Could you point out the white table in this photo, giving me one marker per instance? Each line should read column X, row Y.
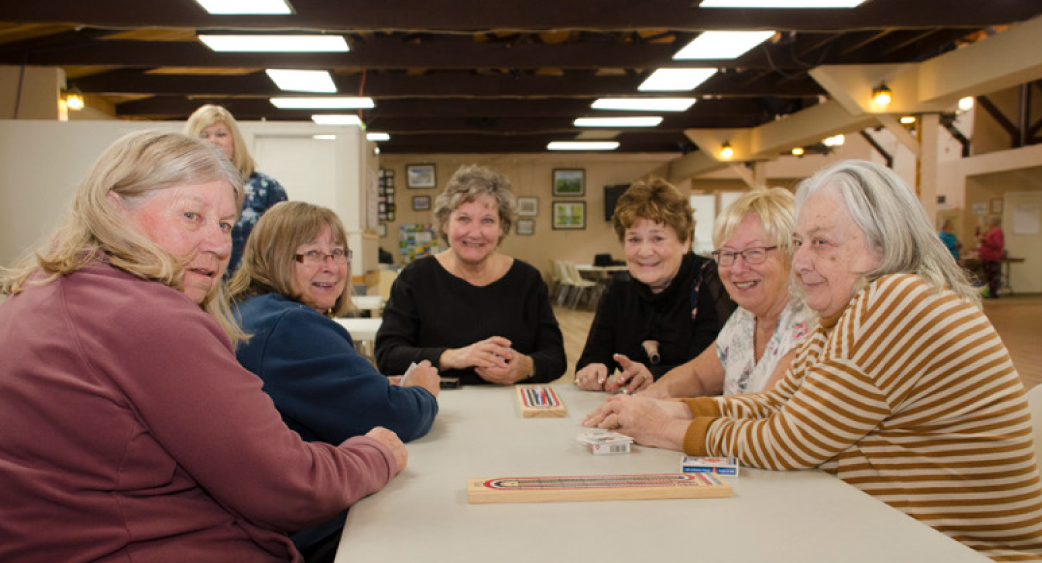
column 368, row 302
column 361, row 329
column 774, row 516
column 363, row 332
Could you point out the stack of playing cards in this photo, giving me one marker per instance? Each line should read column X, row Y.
column 718, row 465
column 601, row 443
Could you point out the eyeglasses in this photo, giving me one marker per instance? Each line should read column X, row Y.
column 754, row 255
column 317, row 257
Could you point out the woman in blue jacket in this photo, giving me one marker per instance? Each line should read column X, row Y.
column 292, row 282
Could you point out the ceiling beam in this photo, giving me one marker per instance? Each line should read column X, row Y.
column 467, row 15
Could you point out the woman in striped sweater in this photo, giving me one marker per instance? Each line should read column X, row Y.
column 904, row 390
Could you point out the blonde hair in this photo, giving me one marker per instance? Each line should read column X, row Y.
column 894, row 223
column 468, row 184
column 209, row 115
column 269, row 259
column 775, row 208
column 133, row 168
column 655, row 200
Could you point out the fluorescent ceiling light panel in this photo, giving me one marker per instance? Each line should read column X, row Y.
column 328, row 102
column 302, row 80
column 722, row 44
column 336, row 119
column 648, row 121
column 324, row 137
column 377, row 137
column 265, row 7
column 582, row 146
column 780, row 4
column 644, row 104
column 676, row 79
column 255, row 43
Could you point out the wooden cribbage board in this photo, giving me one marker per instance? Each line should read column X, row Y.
column 597, row 487
column 537, row 401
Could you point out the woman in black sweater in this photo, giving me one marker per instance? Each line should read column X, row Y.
column 671, row 309
column 472, row 311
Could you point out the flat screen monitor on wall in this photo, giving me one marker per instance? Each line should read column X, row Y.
column 611, row 197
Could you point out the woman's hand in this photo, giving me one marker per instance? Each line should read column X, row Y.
column 518, row 367
column 390, row 439
column 493, row 352
column 423, row 375
column 592, row 377
column 649, row 422
column 634, row 376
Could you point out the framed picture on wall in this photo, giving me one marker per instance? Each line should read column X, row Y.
column 526, row 226
column 527, row 206
column 420, row 176
column 381, row 230
column 996, row 206
column 569, row 182
column 569, row 215
column 421, row 202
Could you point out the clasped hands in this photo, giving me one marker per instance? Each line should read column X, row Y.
column 493, row 360
column 633, row 377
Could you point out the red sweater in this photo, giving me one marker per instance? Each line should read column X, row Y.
column 992, row 245
column 129, row 432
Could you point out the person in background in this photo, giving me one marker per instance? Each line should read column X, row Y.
column 949, row 239
column 904, row 390
column 672, row 307
column 140, row 437
column 753, row 350
column 991, row 250
column 473, row 312
column 216, row 125
column 292, row 282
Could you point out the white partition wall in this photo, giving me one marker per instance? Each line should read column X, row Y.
column 42, row 162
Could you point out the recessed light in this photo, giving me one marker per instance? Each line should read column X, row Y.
column 262, row 7
column 648, row 121
column 302, row 80
column 644, row 104
column 722, row 44
column 327, row 102
column 377, row 137
column 582, row 145
column 259, row 43
column 336, row 119
column 676, row 79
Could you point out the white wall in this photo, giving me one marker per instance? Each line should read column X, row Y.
column 42, row 162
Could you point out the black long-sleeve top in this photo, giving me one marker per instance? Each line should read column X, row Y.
column 430, row 311
column 629, row 313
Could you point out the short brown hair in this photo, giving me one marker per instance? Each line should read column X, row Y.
column 269, row 258
column 656, row 200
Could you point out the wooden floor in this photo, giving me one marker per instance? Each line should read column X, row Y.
column 1017, row 318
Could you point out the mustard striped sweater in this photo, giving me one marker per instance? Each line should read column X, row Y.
column 910, row 396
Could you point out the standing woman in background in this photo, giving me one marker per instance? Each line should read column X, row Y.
column 216, row 125
column 991, row 251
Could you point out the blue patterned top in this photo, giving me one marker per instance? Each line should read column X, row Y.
column 262, row 192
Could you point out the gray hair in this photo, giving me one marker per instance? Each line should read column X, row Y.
column 468, row 184
column 894, row 223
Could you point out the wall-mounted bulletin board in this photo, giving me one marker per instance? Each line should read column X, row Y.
column 416, row 240
column 385, row 195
